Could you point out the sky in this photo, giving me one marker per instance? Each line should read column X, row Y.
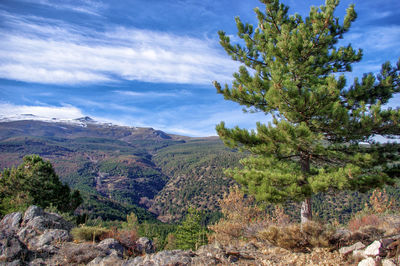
column 149, row 63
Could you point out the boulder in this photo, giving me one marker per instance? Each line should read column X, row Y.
column 11, row 221
column 166, row 257
column 388, row 262
column 11, row 248
column 32, row 212
column 368, row 262
column 110, row 244
column 375, row 249
column 350, row 249
column 110, row 260
column 53, row 236
column 48, row 221
column 144, row 245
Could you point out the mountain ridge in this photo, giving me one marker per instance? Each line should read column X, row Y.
column 118, row 163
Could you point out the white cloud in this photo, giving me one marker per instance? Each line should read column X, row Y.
column 152, row 94
column 375, row 39
column 89, row 7
column 8, row 110
column 58, row 53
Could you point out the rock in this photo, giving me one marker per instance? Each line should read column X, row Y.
column 375, row 249
column 32, row 212
column 35, row 218
column 350, row 249
column 11, row 248
column 111, row 260
column 367, row 262
column 166, row 257
column 144, row 245
column 50, row 236
column 13, row 263
column 11, row 221
column 25, row 234
column 84, row 253
column 359, row 254
column 112, row 244
column 48, row 221
column 38, row 262
column 388, row 262
column 386, row 242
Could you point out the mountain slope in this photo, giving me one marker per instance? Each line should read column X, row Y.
column 124, row 165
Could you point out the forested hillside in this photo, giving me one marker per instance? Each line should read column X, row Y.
column 120, row 169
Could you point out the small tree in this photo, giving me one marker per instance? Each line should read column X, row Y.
column 312, row 143
column 35, row 182
column 191, row 234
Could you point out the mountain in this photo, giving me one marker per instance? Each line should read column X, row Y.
column 122, row 169
column 119, row 168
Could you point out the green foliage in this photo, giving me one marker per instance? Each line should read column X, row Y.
column 312, row 144
column 131, row 221
column 191, row 234
column 158, row 232
column 88, row 233
column 35, row 182
column 97, row 206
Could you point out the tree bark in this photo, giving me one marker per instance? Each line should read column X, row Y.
column 306, row 210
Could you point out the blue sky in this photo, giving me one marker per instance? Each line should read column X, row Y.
column 148, row 63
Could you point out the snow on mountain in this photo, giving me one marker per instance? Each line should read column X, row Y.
column 82, row 121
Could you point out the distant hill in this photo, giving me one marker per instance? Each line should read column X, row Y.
column 121, row 169
column 118, row 168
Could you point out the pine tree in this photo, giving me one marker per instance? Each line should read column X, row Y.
column 293, row 71
column 191, row 234
column 35, row 182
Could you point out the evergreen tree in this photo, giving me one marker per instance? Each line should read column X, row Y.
column 35, row 182
column 293, row 71
column 191, row 234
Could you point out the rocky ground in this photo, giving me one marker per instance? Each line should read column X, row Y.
column 40, row 238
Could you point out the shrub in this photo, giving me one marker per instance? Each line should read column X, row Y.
column 241, row 218
column 360, row 221
column 380, row 202
column 88, row 233
column 126, row 237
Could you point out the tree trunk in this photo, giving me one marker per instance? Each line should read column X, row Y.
column 306, row 211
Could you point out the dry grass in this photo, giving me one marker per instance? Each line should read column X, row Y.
column 298, row 238
column 318, row 256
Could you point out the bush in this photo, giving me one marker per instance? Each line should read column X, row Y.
column 241, row 218
column 360, row 221
column 126, row 237
column 88, row 233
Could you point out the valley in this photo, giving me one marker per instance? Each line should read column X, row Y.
column 119, row 169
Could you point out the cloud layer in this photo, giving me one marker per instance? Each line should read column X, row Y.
column 54, row 52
